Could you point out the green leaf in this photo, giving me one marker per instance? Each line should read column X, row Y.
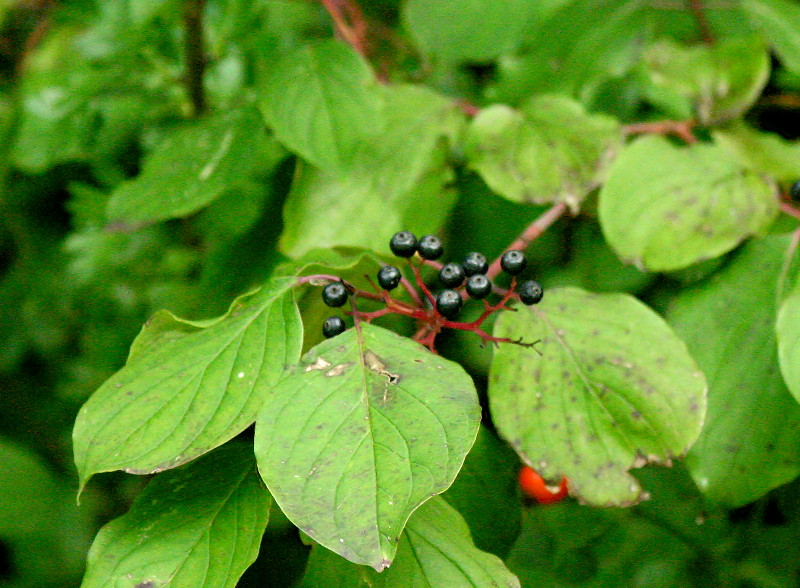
column 485, row 493
column 327, row 260
column 765, row 153
column 666, row 207
column 322, row 101
column 24, row 476
column 779, row 22
column 751, row 440
column 613, row 389
column 398, row 180
column 200, row 525
column 194, row 166
column 435, row 550
column 365, row 429
column 189, row 387
column 574, row 48
column 788, row 331
column 722, row 80
column 474, row 31
column 38, row 516
column 551, row 151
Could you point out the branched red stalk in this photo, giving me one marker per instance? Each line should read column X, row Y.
column 682, row 129
column 421, row 283
column 412, row 291
column 430, row 320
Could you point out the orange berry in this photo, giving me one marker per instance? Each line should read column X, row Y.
column 534, row 486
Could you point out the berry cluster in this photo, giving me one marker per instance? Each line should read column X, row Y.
column 460, row 280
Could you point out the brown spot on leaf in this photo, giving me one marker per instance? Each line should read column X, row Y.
column 318, row 364
column 337, row 370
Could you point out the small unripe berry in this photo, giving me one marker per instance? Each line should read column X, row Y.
column 451, row 275
column 448, row 303
column 475, row 263
column 333, row 326
column 479, row 286
column 334, row 294
column 530, row 292
column 430, row 247
column 403, row 244
column 513, row 262
column 389, row 277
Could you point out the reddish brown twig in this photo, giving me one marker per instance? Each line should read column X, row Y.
column 678, row 128
column 349, row 22
column 533, row 230
column 789, row 209
column 699, row 12
column 195, row 54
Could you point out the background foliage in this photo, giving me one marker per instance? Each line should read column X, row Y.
column 166, row 158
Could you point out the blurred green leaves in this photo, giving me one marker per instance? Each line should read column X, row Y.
column 193, row 166
column 322, row 101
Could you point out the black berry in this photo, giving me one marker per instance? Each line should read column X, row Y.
column 479, row 286
column 513, row 262
column 448, row 303
column 475, row 263
column 451, row 275
column 403, row 244
column 389, row 277
column 333, row 326
column 530, row 292
column 430, row 247
column 794, row 191
column 334, row 294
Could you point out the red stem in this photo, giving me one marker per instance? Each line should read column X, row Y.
column 533, row 230
column 699, row 12
column 678, row 128
column 422, row 284
column 349, row 22
column 789, row 209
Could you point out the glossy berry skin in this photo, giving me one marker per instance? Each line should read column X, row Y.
column 513, row 262
column 430, row 247
column 533, row 486
column 530, row 292
column 452, row 275
column 333, row 326
column 389, row 277
column 404, row 244
column 334, row 294
column 475, row 263
column 479, row 286
column 794, row 191
column 448, row 303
